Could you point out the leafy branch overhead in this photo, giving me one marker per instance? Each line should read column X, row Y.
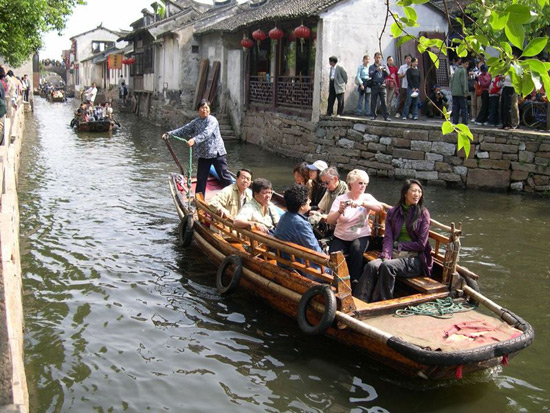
column 23, row 23
column 511, row 33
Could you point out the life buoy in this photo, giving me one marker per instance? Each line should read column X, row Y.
column 328, row 314
column 185, row 231
column 237, row 264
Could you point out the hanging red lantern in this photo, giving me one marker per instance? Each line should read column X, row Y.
column 302, row 33
column 246, row 43
column 259, row 36
column 276, row 34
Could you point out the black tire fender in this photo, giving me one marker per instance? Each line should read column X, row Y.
column 185, row 231
column 237, row 264
column 328, row 315
column 474, row 286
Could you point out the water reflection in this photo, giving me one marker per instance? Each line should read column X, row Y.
column 119, row 319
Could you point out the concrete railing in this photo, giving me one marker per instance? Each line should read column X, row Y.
column 13, row 384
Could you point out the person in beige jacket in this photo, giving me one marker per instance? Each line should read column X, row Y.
column 231, row 198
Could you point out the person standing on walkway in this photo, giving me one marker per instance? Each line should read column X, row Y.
column 402, row 75
column 364, row 92
column 338, row 79
column 378, row 73
column 459, row 90
column 484, row 81
column 392, row 84
column 413, row 90
column 209, row 147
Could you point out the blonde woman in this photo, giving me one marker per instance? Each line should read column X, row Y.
column 349, row 212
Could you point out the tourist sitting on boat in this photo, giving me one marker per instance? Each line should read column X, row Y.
column 406, row 251
column 108, row 110
column 294, row 226
column 231, row 199
column 301, row 173
column 81, row 114
column 330, row 179
column 259, row 213
column 316, row 188
column 350, row 213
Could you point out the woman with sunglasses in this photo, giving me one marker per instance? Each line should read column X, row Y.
column 350, row 212
column 406, row 251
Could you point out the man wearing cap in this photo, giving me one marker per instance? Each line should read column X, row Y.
column 338, row 79
column 315, row 186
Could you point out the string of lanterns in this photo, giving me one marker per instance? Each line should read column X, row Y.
column 301, row 32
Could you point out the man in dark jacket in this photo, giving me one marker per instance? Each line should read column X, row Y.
column 378, row 73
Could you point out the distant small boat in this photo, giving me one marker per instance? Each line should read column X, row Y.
column 104, row 125
column 57, row 96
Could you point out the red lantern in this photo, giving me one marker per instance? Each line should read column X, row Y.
column 276, row 34
column 246, row 43
column 302, row 33
column 259, row 36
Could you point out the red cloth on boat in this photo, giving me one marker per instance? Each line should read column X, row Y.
column 480, row 331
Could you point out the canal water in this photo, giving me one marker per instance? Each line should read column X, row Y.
column 118, row 318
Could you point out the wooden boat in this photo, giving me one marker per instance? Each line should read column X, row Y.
column 105, row 125
column 57, row 95
column 417, row 346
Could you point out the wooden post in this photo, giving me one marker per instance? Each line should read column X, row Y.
column 342, row 282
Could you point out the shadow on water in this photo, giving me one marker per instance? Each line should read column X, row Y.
column 120, row 319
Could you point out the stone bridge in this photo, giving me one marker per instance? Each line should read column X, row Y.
column 60, row 70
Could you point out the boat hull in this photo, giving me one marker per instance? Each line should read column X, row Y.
column 95, row 126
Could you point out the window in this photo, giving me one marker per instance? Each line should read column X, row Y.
column 100, row 46
column 148, row 61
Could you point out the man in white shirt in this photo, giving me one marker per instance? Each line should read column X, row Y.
column 402, row 73
column 91, row 93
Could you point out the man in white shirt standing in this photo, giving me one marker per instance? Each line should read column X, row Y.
column 402, row 73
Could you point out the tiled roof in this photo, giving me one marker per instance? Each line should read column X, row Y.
column 271, row 10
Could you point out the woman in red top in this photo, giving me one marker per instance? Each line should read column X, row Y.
column 392, row 85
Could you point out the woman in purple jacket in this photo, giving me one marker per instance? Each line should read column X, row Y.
column 406, row 251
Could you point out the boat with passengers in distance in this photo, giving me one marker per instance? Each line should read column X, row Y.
column 433, row 348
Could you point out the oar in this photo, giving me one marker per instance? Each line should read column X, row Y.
column 174, row 156
column 116, row 121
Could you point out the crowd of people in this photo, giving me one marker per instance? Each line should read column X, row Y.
column 13, row 89
column 317, row 196
column 390, row 91
column 88, row 112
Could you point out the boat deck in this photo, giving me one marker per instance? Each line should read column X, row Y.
column 464, row 331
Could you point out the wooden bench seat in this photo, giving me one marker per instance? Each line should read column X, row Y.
column 423, row 284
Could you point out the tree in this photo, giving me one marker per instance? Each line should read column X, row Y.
column 23, row 22
column 491, row 27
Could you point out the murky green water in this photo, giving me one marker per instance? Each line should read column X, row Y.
column 119, row 319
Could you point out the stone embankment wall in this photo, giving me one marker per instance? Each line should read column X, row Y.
column 13, row 385
column 514, row 160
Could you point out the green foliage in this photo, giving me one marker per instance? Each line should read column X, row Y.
column 496, row 24
column 23, row 22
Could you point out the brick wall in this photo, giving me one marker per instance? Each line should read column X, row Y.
column 515, row 160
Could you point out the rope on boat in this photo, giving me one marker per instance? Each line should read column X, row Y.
column 444, row 308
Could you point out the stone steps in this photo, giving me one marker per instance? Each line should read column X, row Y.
column 225, row 128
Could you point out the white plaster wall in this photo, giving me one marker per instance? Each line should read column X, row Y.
column 351, row 30
column 84, row 50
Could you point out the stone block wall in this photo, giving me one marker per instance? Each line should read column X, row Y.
column 515, row 160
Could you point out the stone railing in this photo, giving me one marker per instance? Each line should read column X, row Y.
column 516, row 160
column 13, row 384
